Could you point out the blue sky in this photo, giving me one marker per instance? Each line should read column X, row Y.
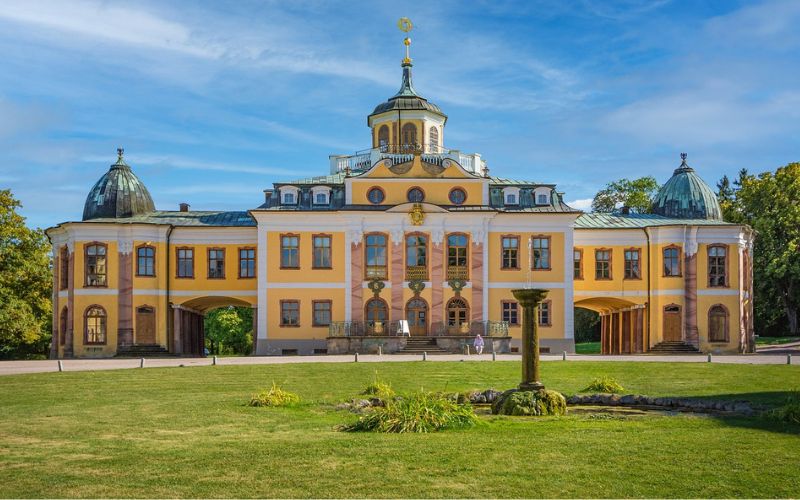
column 215, row 101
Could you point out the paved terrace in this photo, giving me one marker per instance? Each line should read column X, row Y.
column 71, row 365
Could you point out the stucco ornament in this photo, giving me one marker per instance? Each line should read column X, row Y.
column 457, row 285
column 416, row 286
column 376, row 285
column 417, row 215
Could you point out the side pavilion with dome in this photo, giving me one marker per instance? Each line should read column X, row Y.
column 406, row 246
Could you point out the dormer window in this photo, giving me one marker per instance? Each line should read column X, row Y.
column 541, row 196
column 321, row 195
column 320, row 199
column 288, row 199
column 541, row 199
column 289, row 195
column 511, row 196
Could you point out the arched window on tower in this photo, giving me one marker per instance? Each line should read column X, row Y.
column 408, row 137
column 383, row 138
column 433, row 140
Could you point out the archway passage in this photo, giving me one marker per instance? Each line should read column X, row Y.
column 188, row 328
column 622, row 324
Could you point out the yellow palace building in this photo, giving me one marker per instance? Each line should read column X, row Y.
column 405, row 246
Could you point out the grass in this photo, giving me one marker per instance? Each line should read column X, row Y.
column 605, row 385
column 776, row 340
column 587, row 348
column 417, row 412
column 187, row 432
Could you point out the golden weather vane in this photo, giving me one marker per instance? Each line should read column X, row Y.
column 405, row 26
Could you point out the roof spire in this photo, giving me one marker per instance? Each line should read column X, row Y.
column 405, row 26
column 120, row 152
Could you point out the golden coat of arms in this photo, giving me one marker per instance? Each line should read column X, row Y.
column 417, row 215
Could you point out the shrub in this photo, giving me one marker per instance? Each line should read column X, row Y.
column 379, row 389
column 604, row 384
column 418, row 412
column 531, row 403
column 275, row 396
column 789, row 412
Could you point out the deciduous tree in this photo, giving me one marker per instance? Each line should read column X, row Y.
column 636, row 194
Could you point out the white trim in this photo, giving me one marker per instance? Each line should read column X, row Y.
column 63, row 294
column 292, row 285
column 412, row 180
column 569, row 289
column 96, row 291
column 525, row 284
column 626, row 293
column 348, row 276
column 211, row 293
column 721, row 292
column 261, row 263
column 484, row 237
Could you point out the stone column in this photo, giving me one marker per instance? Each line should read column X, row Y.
column 54, row 301
column 177, row 327
column 476, row 277
column 437, row 277
column 125, row 295
column 357, row 279
column 692, row 335
column 396, row 260
column 529, row 299
column 69, row 337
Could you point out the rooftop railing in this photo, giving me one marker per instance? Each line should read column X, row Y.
column 362, row 160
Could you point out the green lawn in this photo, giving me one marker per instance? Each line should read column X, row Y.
column 185, row 432
column 776, row 340
column 587, row 348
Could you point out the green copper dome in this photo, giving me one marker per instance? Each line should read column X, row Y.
column 119, row 193
column 687, row 196
column 407, row 98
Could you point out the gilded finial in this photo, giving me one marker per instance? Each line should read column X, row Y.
column 120, row 152
column 683, row 157
column 405, row 26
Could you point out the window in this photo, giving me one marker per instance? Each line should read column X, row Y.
column 415, row 195
column 289, row 199
column 577, row 264
column 216, row 263
column 409, row 137
column 457, row 312
column 247, row 262
column 433, row 139
column 545, row 313
column 146, row 261
column 457, row 196
column 632, row 265
column 62, row 326
column 321, row 199
column 672, row 264
column 457, row 256
column 375, row 256
column 416, row 257
column 383, row 138
column 290, row 251
column 322, row 312
column 96, row 265
column 541, row 199
column 376, row 195
column 322, row 251
column 185, row 263
column 376, row 310
column 602, row 264
column 95, row 325
column 511, row 199
column 63, row 274
column 290, row 313
column 541, row 252
column 717, row 266
column 718, row 324
column 510, row 312
column 510, row 252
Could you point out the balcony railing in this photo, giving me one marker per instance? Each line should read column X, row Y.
column 373, row 272
column 436, row 329
column 417, row 273
column 457, row 273
column 363, row 160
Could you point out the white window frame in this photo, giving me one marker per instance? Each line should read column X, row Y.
column 541, row 191
column 290, row 190
column 508, row 192
column 325, row 190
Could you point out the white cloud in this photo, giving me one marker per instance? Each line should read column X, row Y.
column 584, row 204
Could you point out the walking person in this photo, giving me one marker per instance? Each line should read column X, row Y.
column 478, row 343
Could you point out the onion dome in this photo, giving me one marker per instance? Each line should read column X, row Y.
column 407, row 98
column 687, row 196
column 119, row 193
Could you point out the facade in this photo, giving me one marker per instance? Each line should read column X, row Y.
column 402, row 243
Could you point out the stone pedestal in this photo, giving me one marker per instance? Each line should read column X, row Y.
column 529, row 299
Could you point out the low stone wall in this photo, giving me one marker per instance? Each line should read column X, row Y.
column 455, row 344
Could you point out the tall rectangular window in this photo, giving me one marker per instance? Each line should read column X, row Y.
column 290, row 252
column 322, row 312
column 96, row 272
column 632, row 264
column 216, row 263
column 146, row 261
column 544, row 313
column 322, row 251
column 510, row 252
column 672, row 263
column 290, row 313
column 185, row 266
column 541, row 252
column 247, row 262
column 577, row 264
column 63, row 272
column 375, row 253
column 510, row 312
column 602, row 264
column 717, row 266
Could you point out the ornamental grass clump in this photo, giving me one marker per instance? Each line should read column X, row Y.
column 789, row 412
column 531, row 403
column 275, row 396
column 605, row 385
column 417, row 412
column 379, row 389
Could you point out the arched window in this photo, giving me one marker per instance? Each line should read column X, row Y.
column 62, row 326
column 457, row 245
column 95, row 325
column 383, row 138
column 409, row 137
column 457, row 312
column 376, row 310
column 718, row 324
column 96, row 273
column 433, row 140
column 416, row 257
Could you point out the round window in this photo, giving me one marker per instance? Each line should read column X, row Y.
column 375, row 195
column 457, row 196
column 415, row 195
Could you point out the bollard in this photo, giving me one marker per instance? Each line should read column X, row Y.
column 709, row 357
column 466, row 350
column 60, row 366
column 564, row 356
column 356, row 358
column 141, row 363
column 788, row 359
column 380, row 351
column 214, row 361
column 424, row 356
column 494, row 356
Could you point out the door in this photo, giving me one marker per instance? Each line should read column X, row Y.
column 672, row 324
column 145, row 325
column 417, row 316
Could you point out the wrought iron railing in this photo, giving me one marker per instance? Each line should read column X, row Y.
column 417, row 273
column 363, row 329
column 364, row 159
column 457, row 273
column 436, row 329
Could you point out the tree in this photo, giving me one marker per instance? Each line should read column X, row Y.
column 25, row 285
column 770, row 204
column 229, row 330
column 636, row 194
column 726, row 195
column 587, row 325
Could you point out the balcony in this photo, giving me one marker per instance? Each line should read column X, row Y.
column 419, row 273
column 457, row 273
column 361, row 161
column 375, row 272
column 437, row 329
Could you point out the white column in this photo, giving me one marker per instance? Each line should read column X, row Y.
column 485, row 239
column 348, row 276
column 262, row 282
column 569, row 285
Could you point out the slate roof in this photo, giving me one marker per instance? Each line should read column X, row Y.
column 636, row 221
column 407, row 98
column 686, row 195
column 118, row 193
column 188, row 219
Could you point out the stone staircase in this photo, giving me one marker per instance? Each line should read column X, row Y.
column 142, row 351
column 673, row 347
column 418, row 345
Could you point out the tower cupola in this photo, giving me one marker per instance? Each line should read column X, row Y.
column 686, row 196
column 118, row 194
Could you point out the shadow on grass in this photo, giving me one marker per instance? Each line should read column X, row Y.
column 761, row 402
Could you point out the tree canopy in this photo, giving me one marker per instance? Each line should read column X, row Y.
column 25, row 285
column 229, row 330
column 636, row 194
